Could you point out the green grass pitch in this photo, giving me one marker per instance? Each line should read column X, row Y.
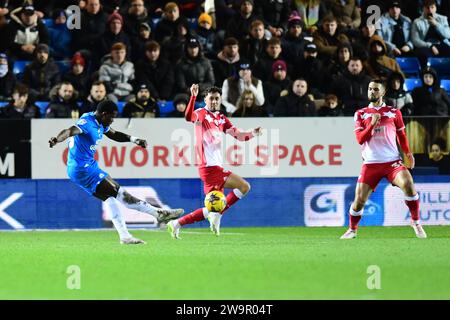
column 243, row 263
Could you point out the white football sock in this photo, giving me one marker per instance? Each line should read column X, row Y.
column 205, row 213
column 140, row 205
column 117, row 218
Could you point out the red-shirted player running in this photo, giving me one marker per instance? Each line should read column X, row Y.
column 377, row 128
column 209, row 126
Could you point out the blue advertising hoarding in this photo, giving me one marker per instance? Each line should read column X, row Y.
column 59, row 204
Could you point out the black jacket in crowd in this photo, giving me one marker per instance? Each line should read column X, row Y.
column 29, row 112
column 41, row 78
column 158, row 75
column 294, row 106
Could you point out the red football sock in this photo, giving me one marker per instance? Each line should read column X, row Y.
column 354, row 220
column 192, row 217
column 231, row 199
column 413, row 208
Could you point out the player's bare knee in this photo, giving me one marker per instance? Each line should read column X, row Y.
column 245, row 187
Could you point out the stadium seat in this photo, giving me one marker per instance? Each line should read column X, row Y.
column 410, row 66
column 441, row 65
column 193, row 23
column 445, row 84
column 49, row 23
column 155, row 21
column 19, row 67
column 42, row 105
column 120, row 106
column 3, row 104
column 63, row 65
column 412, row 83
column 165, row 108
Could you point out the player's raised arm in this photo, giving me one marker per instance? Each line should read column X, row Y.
column 123, row 137
column 189, row 113
column 63, row 135
column 230, row 129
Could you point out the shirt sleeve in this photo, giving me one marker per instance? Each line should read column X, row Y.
column 82, row 125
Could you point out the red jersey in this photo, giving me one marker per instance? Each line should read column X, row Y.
column 378, row 143
column 209, row 127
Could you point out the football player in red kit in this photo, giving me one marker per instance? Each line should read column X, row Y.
column 377, row 128
column 209, row 125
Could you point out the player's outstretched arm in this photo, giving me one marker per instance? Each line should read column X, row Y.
column 63, row 135
column 244, row 136
column 123, row 137
column 189, row 113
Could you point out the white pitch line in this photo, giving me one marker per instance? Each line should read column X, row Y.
column 104, row 229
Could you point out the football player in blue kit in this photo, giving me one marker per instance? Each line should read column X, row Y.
column 84, row 171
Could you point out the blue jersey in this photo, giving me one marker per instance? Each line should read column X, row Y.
column 83, row 146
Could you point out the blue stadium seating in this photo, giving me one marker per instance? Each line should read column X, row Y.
column 19, row 67
column 120, row 106
column 410, row 66
column 412, row 83
column 445, row 84
column 3, row 104
column 49, row 23
column 165, row 107
column 441, row 65
column 155, row 21
column 42, row 105
column 63, row 65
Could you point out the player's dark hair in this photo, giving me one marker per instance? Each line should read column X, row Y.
column 213, row 89
column 379, row 81
column 106, row 106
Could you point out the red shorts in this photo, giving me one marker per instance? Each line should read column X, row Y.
column 371, row 174
column 213, row 178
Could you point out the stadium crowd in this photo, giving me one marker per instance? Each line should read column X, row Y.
column 281, row 58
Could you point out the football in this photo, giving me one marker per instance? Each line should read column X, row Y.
column 215, row 201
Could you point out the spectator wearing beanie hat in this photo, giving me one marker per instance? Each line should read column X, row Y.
column 206, row 35
column 293, row 42
column 60, row 36
column 114, row 33
column 78, row 76
column 180, row 102
column 143, row 105
column 277, row 86
column 233, row 87
column 138, row 42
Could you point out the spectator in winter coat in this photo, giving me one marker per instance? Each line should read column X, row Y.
column 117, row 73
column 206, row 35
column 396, row 31
column 379, row 65
column 193, row 68
column 93, row 25
column 396, row 96
column 347, row 12
column 97, row 94
column 227, row 62
column 351, row 87
column 331, row 107
column 113, row 34
column 78, row 76
column 239, row 25
column 168, row 25
column 278, row 85
column 25, row 32
column 20, row 106
column 142, row 106
column 7, row 78
column 275, row 14
column 233, row 87
column 430, row 99
column 42, row 74
column 156, row 72
column 60, row 36
column 63, row 103
column 254, row 45
column 293, row 42
column 297, row 103
column 328, row 37
column 263, row 68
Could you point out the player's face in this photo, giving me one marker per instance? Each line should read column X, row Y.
column 106, row 119
column 213, row 101
column 375, row 91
